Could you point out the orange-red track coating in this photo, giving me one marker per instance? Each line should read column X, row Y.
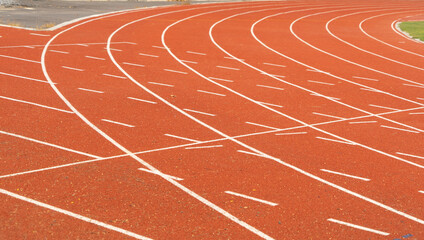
column 244, row 120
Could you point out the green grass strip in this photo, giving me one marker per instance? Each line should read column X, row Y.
column 414, row 29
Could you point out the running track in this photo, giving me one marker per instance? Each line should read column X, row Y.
column 273, row 120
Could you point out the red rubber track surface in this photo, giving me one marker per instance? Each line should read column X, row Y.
column 250, row 120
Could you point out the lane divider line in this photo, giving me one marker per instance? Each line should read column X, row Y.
column 230, row 68
column 203, row 147
column 346, row 175
column 18, row 58
column 358, row 227
column 364, row 78
column 27, row 78
column 410, row 155
column 97, row 58
column 71, row 68
column 148, row 55
column 150, row 171
column 183, row 138
column 221, row 79
column 36, row 104
column 90, row 90
column 195, row 111
column 56, row 51
column 261, row 125
column 377, row 106
column 326, row 115
column 197, row 53
column 360, row 122
column 275, row 65
column 400, row 129
column 133, row 64
column 271, row 87
column 142, row 100
column 291, row 133
column 115, row 76
column 161, row 84
column 334, row 140
column 251, row 198
column 213, row 93
column 174, row 71
column 119, row 123
column 323, row 83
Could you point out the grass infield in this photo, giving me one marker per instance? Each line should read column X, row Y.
column 414, row 29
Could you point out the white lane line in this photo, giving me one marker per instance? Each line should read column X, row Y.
column 218, row 94
column 82, row 45
column 133, row 64
column 194, row 111
column 74, row 215
column 326, row 115
column 420, row 98
column 115, row 76
column 90, row 90
column 159, row 47
column 202, row 147
column 265, row 86
column 290, row 133
column 161, row 84
column 421, row 191
column 97, row 58
column 334, row 140
column 274, row 75
column 183, row 138
column 75, row 69
column 400, row 129
column 233, row 58
column 119, row 123
column 18, row 58
column 221, row 79
column 27, row 78
column 410, row 155
column 174, row 71
column 416, row 113
column 148, row 55
column 131, row 43
column 197, row 53
column 412, row 85
column 254, row 154
column 360, row 122
column 114, row 49
column 29, row 47
column 150, row 171
column 346, row 175
column 56, row 51
column 358, row 227
column 269, row 104
column 186, row 61
column 377, row 106
column 47, row 144
column 370, row 89
column 230, row 68
column 272, row 64
column 142, row 100
column 36, row 104
column 261, row 125
column 38, row 34
column 364, row 78
column 320, row 95
column 324, row 83
column 252, row 198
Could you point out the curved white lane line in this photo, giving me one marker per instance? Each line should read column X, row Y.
column 337, row 57
column 327, row 27
column 397, row 30
column 388, row 208
column 381, row 41
column 82, row 117
column 180, row 186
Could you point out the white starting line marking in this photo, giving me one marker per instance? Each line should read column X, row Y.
column 97, row 58
column 114, row 49
column 142, row 100
column 41, row 35
column 261, row 125
column 359, row 122
column 416, row 113
column 56, row 51
column 230, row 68
column 291, row 133
column 334, row 140
column 36, row 104
column 183, row 138
column 21, row 59
column 119, row 123
column 389, row 108
column 161, row 84
column 71, row 68
column 221, row 79
column 252, row 198
column 190, row 110
column 411, row 85
column 364, row 78
column 133, row 64
column 159, row 47
column 115, row 76
column 326, row 115
column 346, row 175
column 90, row 90
column 197, row 53
column 265, row 86
column 324, row 83
column 218, row 94
column 27, row 78
column 270, row 104
column 186, row 61
column 174, row 71
column 147, row 55
column 400, row 129
column 201, row 147
column 74, row 215
column 254, row 154
column 162, row 174
column 276, row 65
column 358, row 227
column 410, row 155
